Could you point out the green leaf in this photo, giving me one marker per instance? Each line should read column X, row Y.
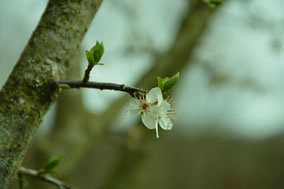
column 166, row 83
column 51, row 164
column 160, row 83
column 23, row 183
column 90, row 58
column 97, row 52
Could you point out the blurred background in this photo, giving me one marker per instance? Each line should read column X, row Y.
column 229, row 131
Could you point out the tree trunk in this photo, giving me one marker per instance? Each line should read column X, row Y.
column 27, row 94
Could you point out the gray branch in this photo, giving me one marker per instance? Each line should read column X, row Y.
column 99, row 85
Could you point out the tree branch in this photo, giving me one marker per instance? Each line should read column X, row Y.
column 98, row 85
column 46, row 178
column 87, row 73
column 27, row 94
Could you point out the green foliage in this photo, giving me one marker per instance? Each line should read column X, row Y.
column 90, row 57
column 166, row 83
column 215, row 3
column 95, row 54
column 23, row 183
column 51, row 164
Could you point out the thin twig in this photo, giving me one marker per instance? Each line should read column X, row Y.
column 97, row 85
column 87, row 73
column 46, row 178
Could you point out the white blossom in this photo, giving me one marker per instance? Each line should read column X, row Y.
column 154, row 110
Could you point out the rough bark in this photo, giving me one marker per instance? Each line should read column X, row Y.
column 27, row 94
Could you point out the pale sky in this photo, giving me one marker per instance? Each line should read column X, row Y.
column 231, row 48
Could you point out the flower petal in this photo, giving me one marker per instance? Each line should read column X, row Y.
column 133, row 107
column 165, row 107
column 165, row 123
column 149, row 121
column 155, row 111
column 154, row 95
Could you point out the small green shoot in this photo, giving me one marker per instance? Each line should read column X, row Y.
column 166, row 83
column 95, row 54
column 51, row 165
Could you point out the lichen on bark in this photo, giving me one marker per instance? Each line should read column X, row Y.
column 27, row 94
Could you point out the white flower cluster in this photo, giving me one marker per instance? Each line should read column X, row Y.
column 154, row 110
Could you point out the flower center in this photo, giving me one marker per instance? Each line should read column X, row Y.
column 144, row 105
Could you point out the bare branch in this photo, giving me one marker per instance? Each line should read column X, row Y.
column 98, row 85
column 87, row 73
column 46, row 178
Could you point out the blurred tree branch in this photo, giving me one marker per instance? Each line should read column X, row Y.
column 27, row 95
column 76, row 129
column 46, row 178
column 193, row 26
